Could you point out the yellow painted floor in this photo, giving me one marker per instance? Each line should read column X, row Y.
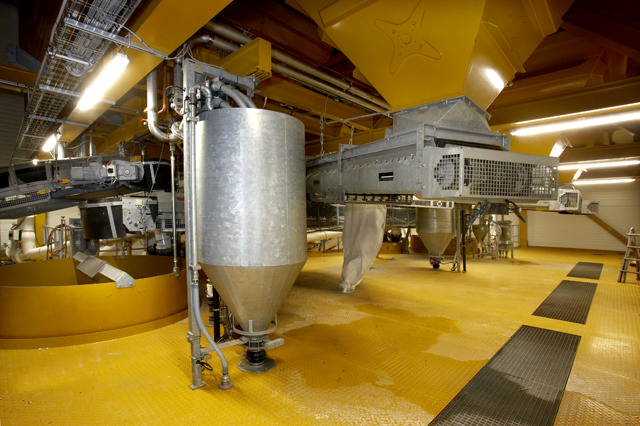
column 395, row 352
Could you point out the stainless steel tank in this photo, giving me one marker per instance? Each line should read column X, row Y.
column 505, row 232
column 435, row 227
column 481, row 230
column 251, row 208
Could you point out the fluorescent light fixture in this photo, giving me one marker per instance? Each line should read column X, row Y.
column 577, row 175
column 598, row 164
column 105, row 79
column 602, row 181
column 50, row 143
column 557, row 150
column 578, row 123
column 578, row 120
column 559, row 147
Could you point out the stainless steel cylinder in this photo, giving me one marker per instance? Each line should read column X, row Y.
column 436, row 229
column 505, row 231
column 251, row 208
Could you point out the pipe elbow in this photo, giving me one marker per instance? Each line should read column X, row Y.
column 235, row 95
column 152, row 114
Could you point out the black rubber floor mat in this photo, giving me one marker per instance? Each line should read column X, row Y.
column 570, row 301
column 522, row 384
column 586, row 270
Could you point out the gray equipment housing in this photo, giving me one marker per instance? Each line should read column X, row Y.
column 441, row 150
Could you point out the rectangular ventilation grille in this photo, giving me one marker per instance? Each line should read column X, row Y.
column 493, row 178
column 570, row 199
column 21, row 200
column 446, row 172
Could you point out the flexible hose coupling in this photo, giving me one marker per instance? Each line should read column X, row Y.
column 225, row 383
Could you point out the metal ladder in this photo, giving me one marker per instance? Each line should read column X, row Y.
column 631, row 255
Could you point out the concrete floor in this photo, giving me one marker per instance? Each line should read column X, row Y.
column 394, row 352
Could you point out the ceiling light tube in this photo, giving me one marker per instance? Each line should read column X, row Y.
column 602, row 181
column 598, row 164
column 577, row 175
column 50, row 143
column 105, row 79
column 578, row 123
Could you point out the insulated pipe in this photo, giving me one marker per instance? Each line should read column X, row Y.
column 234, row 94
column 279, row 55
column 291, row 73
column 152, row 106
column 303, row 78
column 213, row 41
column 27, row 250
column 323, row 235
column 247, row 100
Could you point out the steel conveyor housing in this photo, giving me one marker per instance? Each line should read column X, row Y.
column 30, row 189
column 443, row 150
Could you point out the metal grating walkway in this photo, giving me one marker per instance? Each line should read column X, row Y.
column 587, row 270
column 570, row 301
column 521, row 385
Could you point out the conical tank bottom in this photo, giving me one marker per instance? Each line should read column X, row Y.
column 254, row 293
column 436, row 242
column 480, row 231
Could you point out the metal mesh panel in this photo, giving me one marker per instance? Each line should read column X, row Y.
column 446, row 172
column 24, row 199
column 164, row 222
column 71, row 55
column 493, row 178
column 570, row 199
column 401, row 217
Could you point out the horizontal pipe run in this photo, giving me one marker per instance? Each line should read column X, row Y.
column 285, row 58
column 291, row 73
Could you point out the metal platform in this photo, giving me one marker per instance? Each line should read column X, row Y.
column 587, row 270
column 521, row 385
column 570, row 301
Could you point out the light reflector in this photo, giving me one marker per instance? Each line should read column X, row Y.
column 105, row 79
column 50, row 143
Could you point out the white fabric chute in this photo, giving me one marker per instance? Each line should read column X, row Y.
column 361, row 240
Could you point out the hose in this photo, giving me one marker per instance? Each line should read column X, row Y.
column 225, row 383
column 236, row 95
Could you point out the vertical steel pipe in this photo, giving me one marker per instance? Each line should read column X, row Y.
column 174, row 232
column 196, row 326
